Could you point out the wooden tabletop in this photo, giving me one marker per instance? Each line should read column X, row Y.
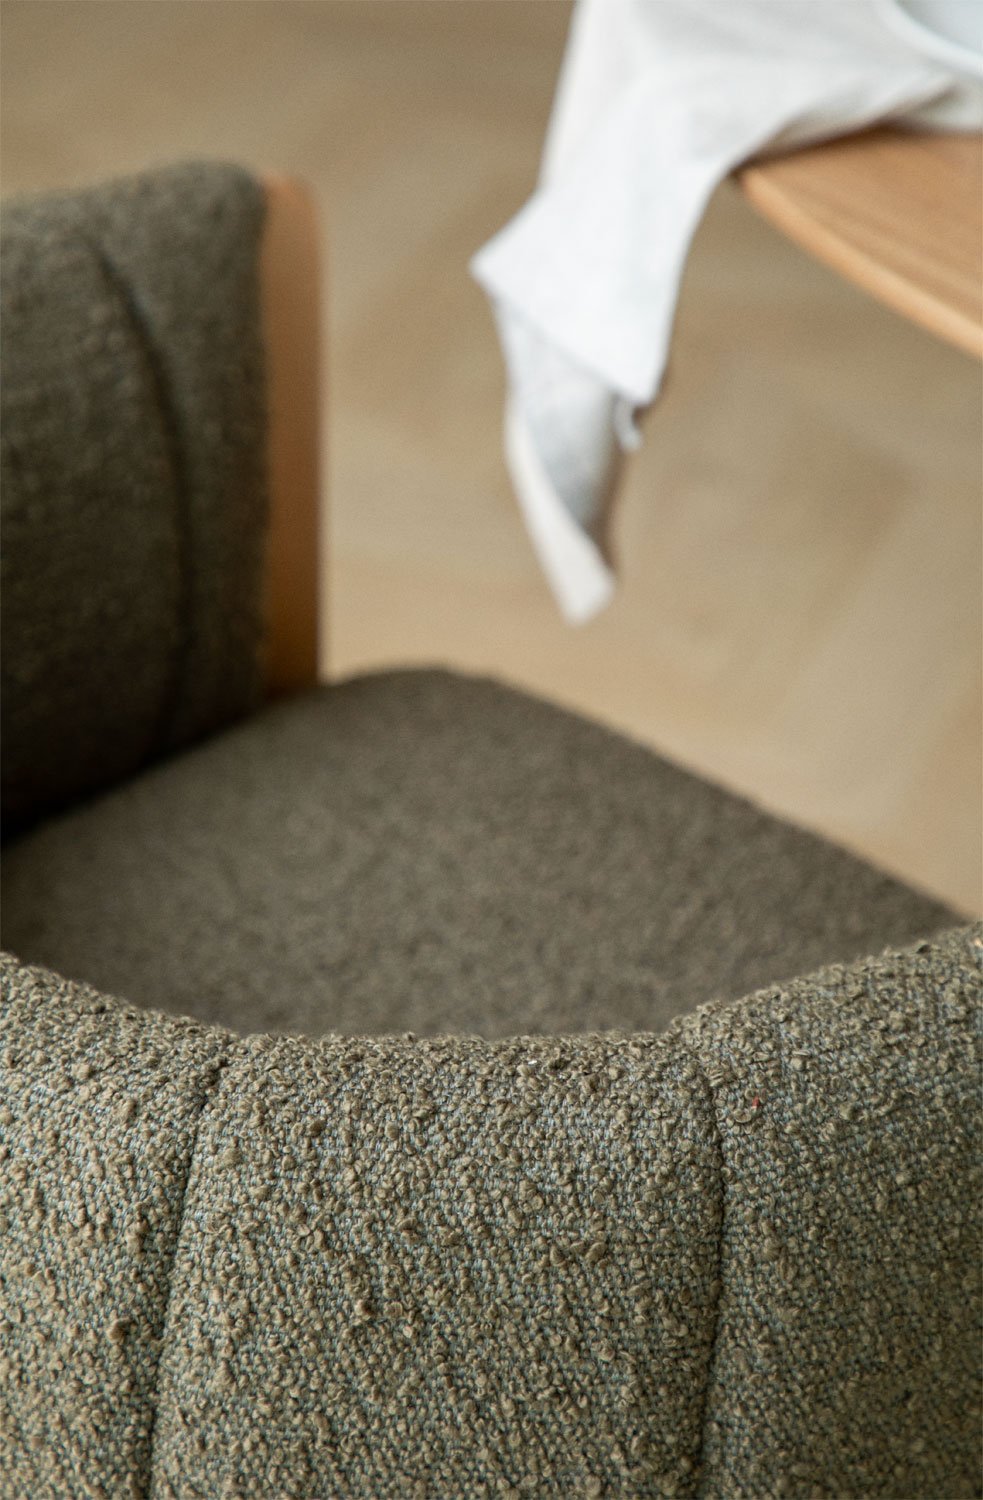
column 898, row 212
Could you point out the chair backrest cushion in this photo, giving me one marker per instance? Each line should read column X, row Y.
column 133, row 484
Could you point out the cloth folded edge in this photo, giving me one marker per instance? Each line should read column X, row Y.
column 581, row 580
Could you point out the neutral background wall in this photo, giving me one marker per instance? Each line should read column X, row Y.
column 799, row 614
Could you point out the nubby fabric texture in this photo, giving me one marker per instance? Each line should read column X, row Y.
column 739, row 1259
column 134, row 493
column 675, row 1243
column 430, row 852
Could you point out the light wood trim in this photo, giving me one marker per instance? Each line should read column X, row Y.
column 898, row 212
column 290, row 311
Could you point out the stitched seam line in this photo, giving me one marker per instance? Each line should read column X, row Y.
column 221, row 1063
column 163, row 733
column 722, row 1214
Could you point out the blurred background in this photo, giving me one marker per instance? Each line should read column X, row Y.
column 799, row 538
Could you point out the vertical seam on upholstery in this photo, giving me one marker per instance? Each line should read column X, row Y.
column 207, row 1094
column 181, row 511
column 721, row 1217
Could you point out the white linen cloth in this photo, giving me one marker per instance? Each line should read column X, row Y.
column 658, row 100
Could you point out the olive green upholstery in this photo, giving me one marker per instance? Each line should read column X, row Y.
column 412, row 1089
column 132, row 475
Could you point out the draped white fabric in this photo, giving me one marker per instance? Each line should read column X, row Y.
column 658, row 101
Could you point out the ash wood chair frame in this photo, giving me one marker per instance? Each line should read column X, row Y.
column 290, row 299
column 898, row 212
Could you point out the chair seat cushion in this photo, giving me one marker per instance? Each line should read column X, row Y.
column 419, row 851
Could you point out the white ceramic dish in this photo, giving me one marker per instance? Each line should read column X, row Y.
column 951, row 31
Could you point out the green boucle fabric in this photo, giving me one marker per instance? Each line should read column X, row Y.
column 847, row 1349
column 488, row 1266
column 428, row 852
column 133, row 490
column 735, row 1261
column 99, row 1105
column 730, row 1254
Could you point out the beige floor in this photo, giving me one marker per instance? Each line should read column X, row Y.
column 800, row 538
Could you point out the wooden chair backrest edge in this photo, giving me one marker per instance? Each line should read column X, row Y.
column 290, row 304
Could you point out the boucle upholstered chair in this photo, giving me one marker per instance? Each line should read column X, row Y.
column 379, row 1115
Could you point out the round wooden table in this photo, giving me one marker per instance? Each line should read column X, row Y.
column 899, row 212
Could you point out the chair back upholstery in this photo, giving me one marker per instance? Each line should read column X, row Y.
column 133, row 476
